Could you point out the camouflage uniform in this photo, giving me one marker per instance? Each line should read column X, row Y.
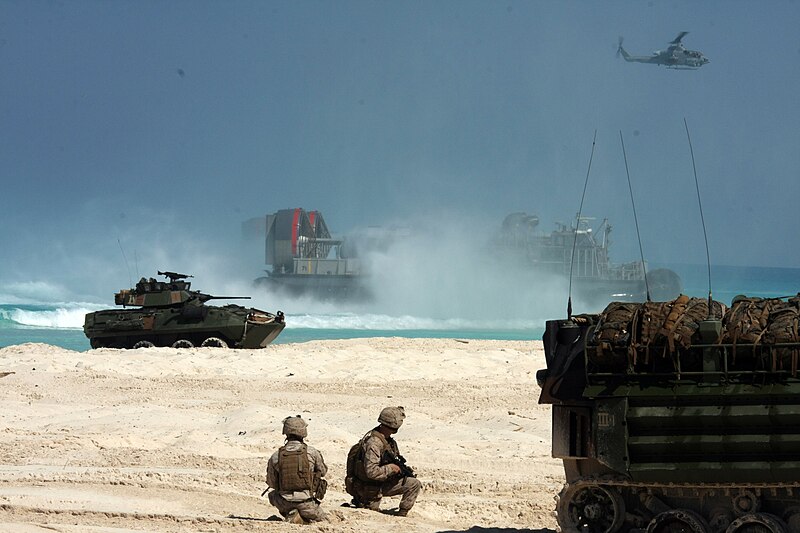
column 373, row 479
column 302, row 501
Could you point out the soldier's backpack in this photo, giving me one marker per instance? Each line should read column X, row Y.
column 686, row 330
column 353, row 456
column 649, row 323
column 355, row 466
column 354, row 471
column 675, row 324
column 784, row 327
column 746, row 322
column 612, row 334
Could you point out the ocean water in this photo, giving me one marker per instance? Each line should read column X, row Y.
column 60, row 323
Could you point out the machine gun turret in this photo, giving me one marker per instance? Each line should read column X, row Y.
column 174, row 276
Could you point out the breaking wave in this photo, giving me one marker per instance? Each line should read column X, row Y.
column 68, row 316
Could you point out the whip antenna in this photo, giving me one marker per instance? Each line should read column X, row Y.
column 130, row 281
column 635, row 218
column 702, row 219
column 577, row 225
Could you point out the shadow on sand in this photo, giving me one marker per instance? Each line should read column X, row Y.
column 273, row 518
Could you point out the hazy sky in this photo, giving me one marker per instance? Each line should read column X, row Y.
column 165, row 124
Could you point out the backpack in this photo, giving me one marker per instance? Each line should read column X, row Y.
column 746, row 322
column 354, row 471
column 687, row 324
column 355, row 458
column 673, row 325
column 355, row 454
column 612, row 334
column 649, row 322
column 784, row 322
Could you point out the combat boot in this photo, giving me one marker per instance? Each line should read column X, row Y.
column 294, row 517
column 402, row 512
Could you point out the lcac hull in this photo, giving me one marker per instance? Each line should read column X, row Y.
column 320, row 287
column 663, row 284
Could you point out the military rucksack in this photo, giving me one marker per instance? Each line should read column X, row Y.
column 686, row 331
column 783, row 327
column 355, row 454
column 675, row 323
column 746, row 323
column 355, row 471
column 612, row 334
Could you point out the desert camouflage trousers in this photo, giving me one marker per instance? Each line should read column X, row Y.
column 370, row 495
column 310, row 510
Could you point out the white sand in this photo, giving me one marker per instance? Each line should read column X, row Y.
column 177, row 440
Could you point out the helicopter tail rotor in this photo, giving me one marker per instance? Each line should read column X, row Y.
column 619, row 46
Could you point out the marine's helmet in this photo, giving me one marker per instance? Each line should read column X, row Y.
column 294, row 425
column 392, row 417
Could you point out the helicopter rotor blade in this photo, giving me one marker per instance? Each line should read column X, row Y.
column 680, row 36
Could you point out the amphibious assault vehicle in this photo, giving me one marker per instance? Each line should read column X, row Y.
column 677, row 416
column 169, row 313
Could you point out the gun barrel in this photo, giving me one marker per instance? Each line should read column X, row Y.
column 174, row 275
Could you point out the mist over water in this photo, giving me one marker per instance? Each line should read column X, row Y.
column 446, row 269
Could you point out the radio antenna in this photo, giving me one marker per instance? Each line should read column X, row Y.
column 130, row 281
column 577, row 225
column 635, row 218
column 702, row 219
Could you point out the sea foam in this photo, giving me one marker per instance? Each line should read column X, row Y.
column 69, row 316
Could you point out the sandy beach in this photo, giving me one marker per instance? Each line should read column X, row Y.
column 177, row 440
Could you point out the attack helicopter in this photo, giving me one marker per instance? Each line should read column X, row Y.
column 674, row 56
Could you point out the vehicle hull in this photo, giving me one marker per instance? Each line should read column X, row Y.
column 237, row 326
column 696, row 437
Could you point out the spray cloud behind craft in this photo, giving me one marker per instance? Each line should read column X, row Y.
column 380, row 115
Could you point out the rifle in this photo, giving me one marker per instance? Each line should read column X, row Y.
column 399, row 460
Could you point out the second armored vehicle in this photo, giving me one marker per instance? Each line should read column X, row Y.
column 677, row 416
column 169, row 313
